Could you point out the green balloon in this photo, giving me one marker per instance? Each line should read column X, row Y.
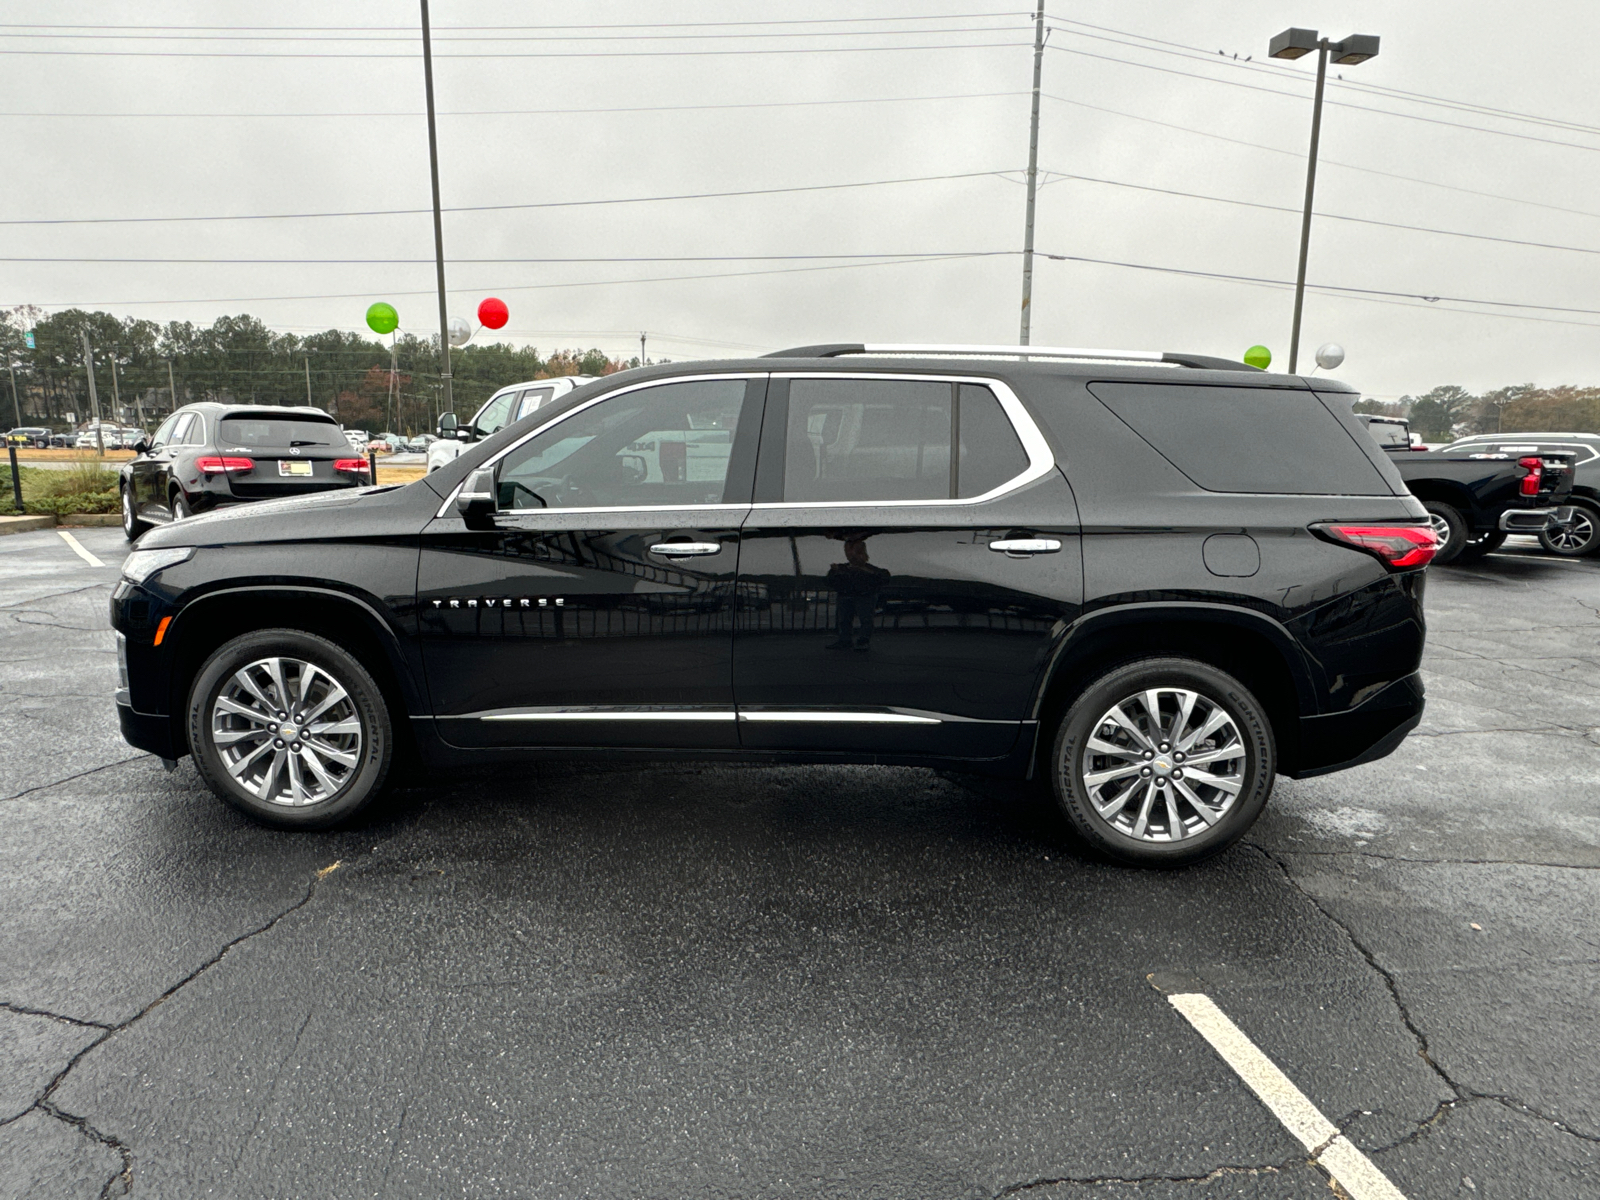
column 382, row 318
column 1256, row 356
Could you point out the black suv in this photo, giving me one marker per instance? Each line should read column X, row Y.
column 1157, row 583
column 207, row 455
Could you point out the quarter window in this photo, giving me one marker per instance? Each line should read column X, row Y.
column 533, row 399
column 661, row 446
column 875, row 440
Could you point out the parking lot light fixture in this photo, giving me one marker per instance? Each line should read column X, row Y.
column 1297, row 43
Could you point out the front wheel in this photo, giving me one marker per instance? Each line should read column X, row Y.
column 1575, row 537
column 1163, row 762
column 290, row 729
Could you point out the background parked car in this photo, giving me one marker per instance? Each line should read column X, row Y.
column 505, row 406
column 1576, row 528
column 28, row 435
column 358, row 438
column 208, row 455
column 1476, row 496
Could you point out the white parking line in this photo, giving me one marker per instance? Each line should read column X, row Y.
column 1351, row 1170
column 77, row 548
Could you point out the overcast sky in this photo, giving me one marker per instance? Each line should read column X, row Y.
column 1164, row 128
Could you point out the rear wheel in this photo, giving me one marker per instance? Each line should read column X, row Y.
column 1450, row 527
column 179, row 506
column 132, row 526
column 290, row 729
column 1577, row 536
column 1163, row 762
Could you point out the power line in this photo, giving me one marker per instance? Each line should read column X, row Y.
column 661, row 258
column 565, row 54
column 1183, row 50
column 394, row 212
column 611, row 25
column 1506, row 133
column 521, row 287
column 527, row 112
column 411, row 36
column 1327, row 162
column 1483, row 237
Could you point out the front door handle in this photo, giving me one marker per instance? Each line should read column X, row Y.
column 685, row 549
column 1026, row 545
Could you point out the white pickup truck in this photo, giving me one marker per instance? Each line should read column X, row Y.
column 505, row 406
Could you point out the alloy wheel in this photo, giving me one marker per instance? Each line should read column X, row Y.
column 1441, row 527
column 287, row 731
column 1574, row 535
column 1164, row 764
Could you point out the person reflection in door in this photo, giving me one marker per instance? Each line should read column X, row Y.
column 856, row 582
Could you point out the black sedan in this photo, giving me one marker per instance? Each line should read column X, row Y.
column 208, row 455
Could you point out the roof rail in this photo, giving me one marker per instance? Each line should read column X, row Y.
column 842, row 349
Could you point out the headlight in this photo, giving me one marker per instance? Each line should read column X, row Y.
column 141, row 564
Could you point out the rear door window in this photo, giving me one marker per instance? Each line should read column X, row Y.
column 1228, row 439
column 866, row 440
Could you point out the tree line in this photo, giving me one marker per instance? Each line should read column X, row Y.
column 357, row 379
column 1450, row 411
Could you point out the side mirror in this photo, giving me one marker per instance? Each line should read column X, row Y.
column 141, row 446
column 447, row 424
column 475, row 501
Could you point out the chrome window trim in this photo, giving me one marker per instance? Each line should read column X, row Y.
column 1041, row 461
column 489, row 463
column 633, row 508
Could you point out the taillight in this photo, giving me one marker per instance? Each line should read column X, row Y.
column 354, row 466
column 1535, row 468
column 1398, row 547
column 216, row 466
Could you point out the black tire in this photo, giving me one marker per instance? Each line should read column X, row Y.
column 132, row 526
column 1451, row 527
column 1480, row 547
column 358, row 783
column 179, row 506
column 1575, row 538
column 1081, row 729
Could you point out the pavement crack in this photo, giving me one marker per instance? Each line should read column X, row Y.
column 1017, row 1189
column 58, row 782
column 1454, row 862
column 122, row 1180
column 51, row 596
column 46, row 1104
column 24, row 1010
column 1423, row 1048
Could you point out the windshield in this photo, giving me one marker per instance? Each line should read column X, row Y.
column 249, row 433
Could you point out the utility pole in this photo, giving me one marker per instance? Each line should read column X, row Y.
column 116, row 393
column 308, row 381
column 172, row 387
column 641, row 348
column 438, row 221
column 94, row 397
column 1033, row 179
column 16, row 396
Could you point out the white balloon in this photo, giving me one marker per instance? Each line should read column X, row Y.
column 460, row 332
column 1330, row 356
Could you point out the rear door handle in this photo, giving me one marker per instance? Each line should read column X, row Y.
column 685, row 549
column 1026, row 545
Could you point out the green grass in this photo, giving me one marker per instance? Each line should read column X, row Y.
column 84, row 487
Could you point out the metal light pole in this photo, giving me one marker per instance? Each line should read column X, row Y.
column 172, row 387
column 1033, row 179
column 641, row 347
column 16, row 396
column 1291, row 44
column 438, row 222
column 94, row 397
column 308, row 381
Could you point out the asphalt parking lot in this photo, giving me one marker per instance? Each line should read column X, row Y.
column 572, row 981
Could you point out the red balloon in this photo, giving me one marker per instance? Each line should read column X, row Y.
column 493, row 314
